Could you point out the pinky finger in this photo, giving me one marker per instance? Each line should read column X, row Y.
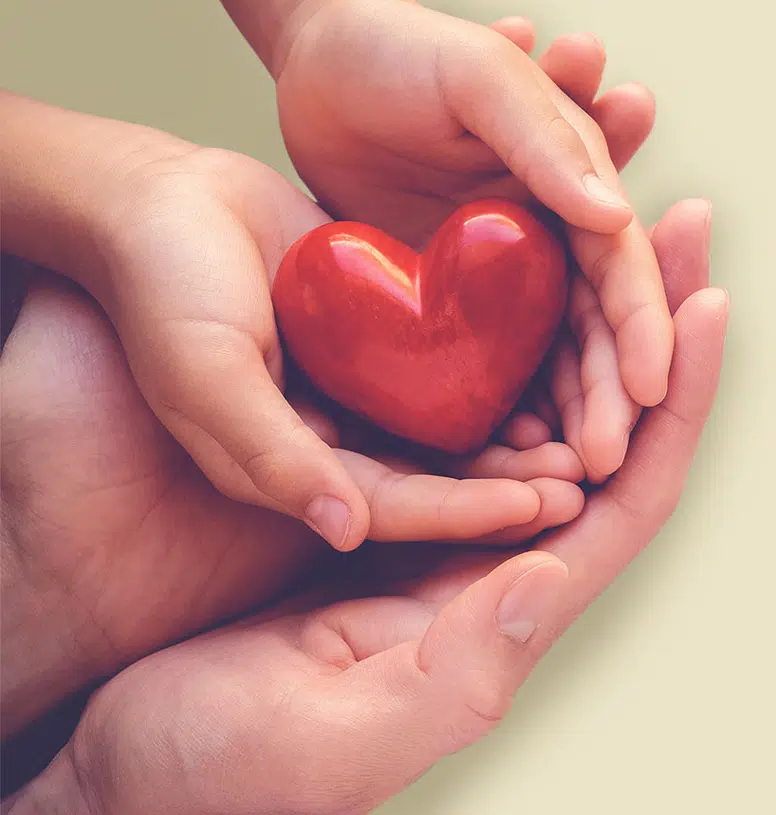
column 525, row 431
column 626, row 115
column 609, row 412
column 518, row 30
column 567, row 393
column 575, row 63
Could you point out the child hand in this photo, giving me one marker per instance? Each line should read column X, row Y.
column 179, row 244
column 396, row 114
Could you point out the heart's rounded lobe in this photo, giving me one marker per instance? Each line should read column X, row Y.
column 435, row 347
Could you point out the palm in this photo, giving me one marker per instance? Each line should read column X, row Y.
column 309, row 652
column 129, row 542
column 334, row 700
column 109, row 509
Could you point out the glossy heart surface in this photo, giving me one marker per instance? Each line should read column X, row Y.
column 435, row 347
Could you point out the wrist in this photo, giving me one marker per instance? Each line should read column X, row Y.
column 270, row 27
column 56, row 791
column 63, row 176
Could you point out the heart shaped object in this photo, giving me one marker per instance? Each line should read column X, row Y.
column 435, row 347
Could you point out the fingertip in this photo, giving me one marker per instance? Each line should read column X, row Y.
column 525, row 501
column 518, row 30
column 524, row 431
column 573, row 464
column 715, row 299
column 598, row 209
column 604, row 457
column 645, row 347
column 561, row 501
column 559, row 461
column 646, row 390
column 533, row 594
column 603, row 448
column 343, row 525
column 634, row 94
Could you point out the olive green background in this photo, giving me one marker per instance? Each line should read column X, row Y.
column 661, row 698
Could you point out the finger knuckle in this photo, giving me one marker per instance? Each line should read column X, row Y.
column 602, row 263
column 188, row 352
column 268, row 466
column 484, row 704
column 559, row 133
column 594, row 138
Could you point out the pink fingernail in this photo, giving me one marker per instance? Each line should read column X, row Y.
column 529, row 601
column 330, row 518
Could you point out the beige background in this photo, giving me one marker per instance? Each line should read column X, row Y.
column 661, row 698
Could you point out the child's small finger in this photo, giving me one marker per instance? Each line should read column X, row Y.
column 551, row 460
column 625, row 273
column 498, row 94
column 518, row 30
column 625, row 115
column 609, row 412
column 685, row 271
column 429, row 507
column 213, row 392
column 567, row 393
column 575, row 63
column 561, row 503
column 523, row 431
column 543, row 404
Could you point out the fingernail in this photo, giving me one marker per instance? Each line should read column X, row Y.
column 602, row 192
column 528, row 602
column 717, row 296
column 330, row 518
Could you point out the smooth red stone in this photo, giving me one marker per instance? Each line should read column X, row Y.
column 435, row 347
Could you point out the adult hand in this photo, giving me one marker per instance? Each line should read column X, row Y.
column 114, row 544
column 339, row 699
column 90, row 478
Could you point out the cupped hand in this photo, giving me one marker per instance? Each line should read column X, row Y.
column 335, row 700
column 600, row 413
column 179, row 244
column 396, row 114
column 114, row 542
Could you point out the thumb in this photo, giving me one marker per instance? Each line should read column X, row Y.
column 238, row 427
column 442, row 693
column 493, row 91
column 193, row 309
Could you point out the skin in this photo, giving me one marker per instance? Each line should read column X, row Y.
column 330, row 701
column 427, row 575
column 461, row 113
column 138, row 505
column 138, row 219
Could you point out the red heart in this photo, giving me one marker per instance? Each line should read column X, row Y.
column 436, row 347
